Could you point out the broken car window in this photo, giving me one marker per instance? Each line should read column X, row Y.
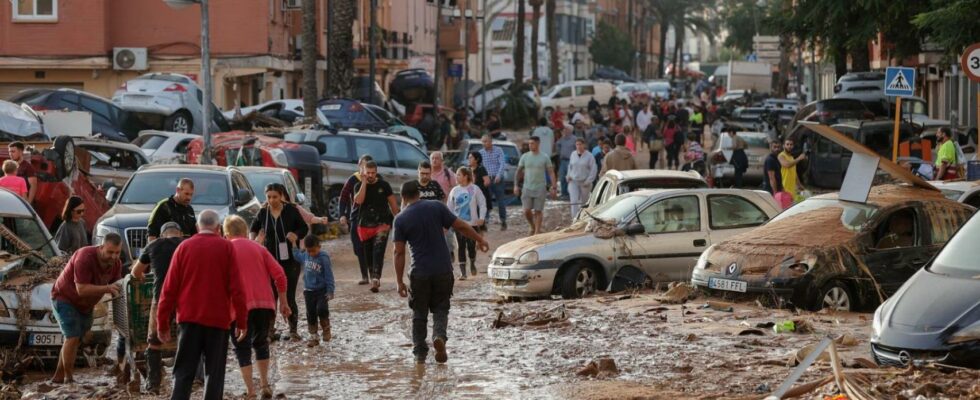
column 853, row 215
column 678, row 214
column 959, row 257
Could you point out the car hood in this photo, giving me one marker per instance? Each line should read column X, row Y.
column 518, row 247
column 40, row 295
column 124, row 216
column 916, row 309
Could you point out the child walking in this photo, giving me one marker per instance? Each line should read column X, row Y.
column 468, row 204
column 318, row 285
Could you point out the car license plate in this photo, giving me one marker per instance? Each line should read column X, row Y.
column 45, row 339
column 500, row 273
column 727, row 284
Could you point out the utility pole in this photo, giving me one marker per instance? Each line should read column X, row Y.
column 206, row 77
column 436, row 85
column 329, row 58
column 485, row 69
column 372, row 57
column 466, row 55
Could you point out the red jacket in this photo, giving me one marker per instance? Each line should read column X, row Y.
column 257, row 267
column 202, row 284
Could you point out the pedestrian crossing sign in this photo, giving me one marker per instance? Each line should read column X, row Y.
column 899, row 81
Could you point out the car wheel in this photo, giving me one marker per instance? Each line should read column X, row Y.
column 333, row 205
column 65, row 147
column 579, row 280
column 835, row 296
column 179, row 121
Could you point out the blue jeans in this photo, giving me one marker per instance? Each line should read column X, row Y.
column 562, row 172
column 497, row 190
column 73, row 323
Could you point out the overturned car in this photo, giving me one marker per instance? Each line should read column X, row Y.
column 831, row 253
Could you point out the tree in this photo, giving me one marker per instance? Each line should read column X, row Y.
column 612, row 47
column 342, row 43
column 519, row 47
column 309, row 54
column 743, row 19
column 535, row 19
column 552, row 36
column 689, row 15
column 679, row 13
column 952, row 24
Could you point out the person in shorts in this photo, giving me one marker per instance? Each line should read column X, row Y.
column 535, row 166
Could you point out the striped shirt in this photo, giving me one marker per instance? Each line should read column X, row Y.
column 493, row 161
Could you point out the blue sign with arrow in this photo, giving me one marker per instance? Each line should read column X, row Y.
column 899, row 81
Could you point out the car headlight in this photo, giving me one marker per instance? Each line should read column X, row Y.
column 279, row 157
column 876, row 322
column 968, row 334
column 530, row 257
column 703, row 260
column 101, row 310
column 101, row 231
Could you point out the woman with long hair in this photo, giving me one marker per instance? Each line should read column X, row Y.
column 277, row 226
column 671, row 143
column 481, row 179
column 71, row 235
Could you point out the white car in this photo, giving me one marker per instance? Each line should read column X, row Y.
column 659, row 88
column 576, row 94
column 966, row 192
column 164, row 147
column 288, row 110
column 170, row 102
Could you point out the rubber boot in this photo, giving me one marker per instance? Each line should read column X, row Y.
column 473, row 267
column 154, row 370
column 325, row 329
column 314, row 341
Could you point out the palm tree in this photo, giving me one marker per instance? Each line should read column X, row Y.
column 309, row 54
column 681, row 14
column 342, row 43
column 519, row 48
column 535, row 19
column 552, row 37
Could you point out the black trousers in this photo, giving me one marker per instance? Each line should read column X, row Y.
column 465, row 245
column 317, row 307
column 429, row 294
column 292, row 270
column 355, row 241
column 374, row 253
column 654, row 157
column 193, row 342
column 257, row 339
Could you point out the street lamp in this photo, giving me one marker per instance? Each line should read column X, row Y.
column 205, row 72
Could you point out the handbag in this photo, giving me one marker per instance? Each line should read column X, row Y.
column 656, row 145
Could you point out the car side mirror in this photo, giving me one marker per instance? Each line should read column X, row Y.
column 243, row 197
column 300, row 198
column 111, row 195
column 635, row 229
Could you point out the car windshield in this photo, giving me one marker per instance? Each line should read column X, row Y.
column 260, row 180
column 151, row 187
column 511, row 154
column 549, row 92
column 853, row 215
column 619, row 207
column 661, row 183
column 350, row 115
column 959, row 256
column 32, row 236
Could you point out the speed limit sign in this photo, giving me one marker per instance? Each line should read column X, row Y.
column 971, row 62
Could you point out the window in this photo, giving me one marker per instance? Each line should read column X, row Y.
column 897, row 231
column 376, row 148
column 150, row 142
column 677, row 214
column 181, row 148
column 409, row 157
column 36, row 10
column 587, row 90
column 564, row 92
column 100, row 111
column 599, row 192
column 113, row 158
column 731, row 212
column 337, row 148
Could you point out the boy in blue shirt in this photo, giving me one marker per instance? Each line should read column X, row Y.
column 318, row 287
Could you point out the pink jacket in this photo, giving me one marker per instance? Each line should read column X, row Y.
column 256, row 267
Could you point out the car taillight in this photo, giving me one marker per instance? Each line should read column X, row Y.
column 39, row 108
column 175, row 87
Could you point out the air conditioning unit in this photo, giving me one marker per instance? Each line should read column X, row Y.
column 292, row 4
column 129, row 58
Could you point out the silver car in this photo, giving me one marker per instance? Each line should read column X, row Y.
column 259, row 177
column 164, row 147
column 169, row 102
column 111, row 162
column 644, row 236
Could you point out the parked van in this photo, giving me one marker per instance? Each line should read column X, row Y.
column 576, row 94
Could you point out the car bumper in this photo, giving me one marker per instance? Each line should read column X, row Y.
column 537, row 280
column 784, row 287
column 964, row 355
column 97, row 339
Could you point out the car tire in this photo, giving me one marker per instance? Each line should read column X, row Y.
column 578, row 281
column 180, row 121
column 65, row 147
column 333, row 204
column 836, row 296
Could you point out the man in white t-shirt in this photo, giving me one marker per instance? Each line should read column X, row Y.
column 547, row 136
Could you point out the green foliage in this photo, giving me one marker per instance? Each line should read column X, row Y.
column 742, row 18
column 612, row 47
column 952, row 24
column 516, row 113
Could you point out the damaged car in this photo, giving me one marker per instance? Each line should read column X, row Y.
column 639, row 237
column 30, row 262
column 917, row 326
column 830, row 253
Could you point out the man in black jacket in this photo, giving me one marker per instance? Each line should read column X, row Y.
column 176, row 208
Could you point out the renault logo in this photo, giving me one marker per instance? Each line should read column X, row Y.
column 732, row 268
column 904, row 357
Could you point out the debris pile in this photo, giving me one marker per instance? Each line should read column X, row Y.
column 553, row 317
column 602, row 368
column 678, row 293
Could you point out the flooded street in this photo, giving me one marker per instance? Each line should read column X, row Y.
column 542, row 349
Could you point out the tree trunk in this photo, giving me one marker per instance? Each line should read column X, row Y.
column 782, row 85
column 519, row 46
column 662, row 57
column 678, row 50
column 629, row 28
column 309, row 53
column 552, row 37
column 860, row 58
column 342, row 43
column 840, row 59
column 535, row 19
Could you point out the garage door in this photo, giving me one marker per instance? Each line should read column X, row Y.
column 8, row 90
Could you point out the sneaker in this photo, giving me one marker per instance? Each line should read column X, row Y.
column 503, row 227
column 462, row 277
column 375, row 285
column 440, row 345
column 313, row 342
column 295, row 336
column 362, row 282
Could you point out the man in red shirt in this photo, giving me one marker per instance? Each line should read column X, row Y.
column 202, row 286
column 24, row 168
column 88, row 276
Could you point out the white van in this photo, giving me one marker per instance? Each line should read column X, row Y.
column 576, row 94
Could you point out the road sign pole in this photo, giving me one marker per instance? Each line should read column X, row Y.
column 898, row 119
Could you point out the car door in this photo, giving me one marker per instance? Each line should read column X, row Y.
column 673, row 239
column 563, row 98
column 730, row 215
column 381, row 152
column 338, row 158
column 583, row 94
column 249, row 209
column 408, row 158
column 896, row 249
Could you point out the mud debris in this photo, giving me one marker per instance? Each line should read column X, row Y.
column 602, row 368
column 678, row 294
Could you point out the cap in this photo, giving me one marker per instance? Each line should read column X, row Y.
column 168, row 226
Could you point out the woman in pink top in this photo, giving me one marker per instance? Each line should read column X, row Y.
column 256, row 268
column 11, row 181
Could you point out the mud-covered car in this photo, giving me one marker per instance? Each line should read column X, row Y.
column 919, row 326
column 830, row 253
column 30, row 262
column 614, row 183
column 638, row 237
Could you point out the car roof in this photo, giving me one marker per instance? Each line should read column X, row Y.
column 894, row 195
column 653, row 173
column 659, row 192
column 65, row 90
column 168, row 134
column 185, row 168
column 12, row 204
column 962, row 186
column 81, row 141
column 266, row 170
